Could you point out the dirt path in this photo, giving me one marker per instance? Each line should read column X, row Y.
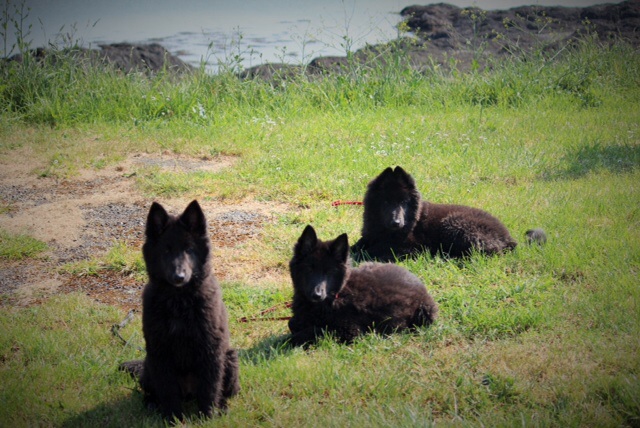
column 83, row 217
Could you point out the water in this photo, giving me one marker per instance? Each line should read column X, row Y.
column 252, row 31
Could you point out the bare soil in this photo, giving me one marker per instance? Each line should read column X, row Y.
column 81, row 218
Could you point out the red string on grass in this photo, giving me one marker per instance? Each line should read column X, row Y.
column 336, row 203
column 266, row 311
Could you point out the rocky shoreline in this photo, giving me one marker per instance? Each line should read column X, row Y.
column 442, row 35
column 438, row 35
column 129, row 58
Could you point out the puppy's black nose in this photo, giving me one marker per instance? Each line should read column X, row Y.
column 397, row 223
column 319, row 293
column 179, row 277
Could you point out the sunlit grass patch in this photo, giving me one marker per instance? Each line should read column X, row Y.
column 18, row 247
column 61, row 358
column 120, row 258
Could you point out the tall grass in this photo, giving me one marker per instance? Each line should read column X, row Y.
column 69, row 89
column 541, row 336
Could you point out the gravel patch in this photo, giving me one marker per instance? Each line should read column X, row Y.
column 82, row 217
column 170, row 162
column 13, row 194
column 236, row 216
column 105, row 225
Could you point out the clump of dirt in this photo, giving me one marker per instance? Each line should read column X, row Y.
column 172, row 162
column 110, row 287
column 81, row 218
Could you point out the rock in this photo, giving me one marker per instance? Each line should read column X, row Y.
column 271, row 71
column 435, row 20
column 150, row 58
column 328, row 64
column 473, row 34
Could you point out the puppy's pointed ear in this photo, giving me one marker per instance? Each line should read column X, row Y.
column 307, row 241
column 193, row 218
column 382, row 178
column 404, row 176
column 156, row 220
column 399, row 170
column 340, row 248
column 388, row 172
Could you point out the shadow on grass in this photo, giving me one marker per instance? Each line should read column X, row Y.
column 131, row 411
column 595, row 157
column 127, row 411
column 267, row 349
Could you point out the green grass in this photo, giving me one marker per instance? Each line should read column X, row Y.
column 541, row 336
column 120, row 258
column 18, row 247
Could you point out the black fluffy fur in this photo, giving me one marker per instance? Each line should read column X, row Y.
column 184, row 320
column 330, row 296
column 398, row 223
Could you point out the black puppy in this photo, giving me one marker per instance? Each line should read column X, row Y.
column 397, row 223
column 330, row 296
column 184, row 320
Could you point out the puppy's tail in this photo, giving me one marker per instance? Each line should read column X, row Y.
column 536, row 236
column 134, row 368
